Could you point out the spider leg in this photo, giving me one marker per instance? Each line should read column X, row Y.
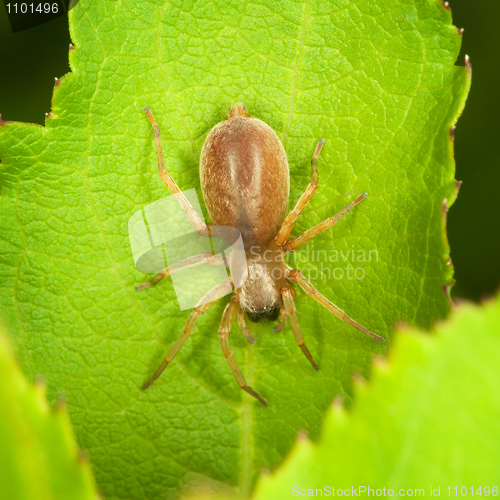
column 297, row 277
column 281, row 324
column 188, row 330
column 228, row 316
column 286, row 227
column 202, row 258
column 164, row 274
column 165, row 176
column 200, row 309
column 287, row 294
column 322, row 226
column 243, row 326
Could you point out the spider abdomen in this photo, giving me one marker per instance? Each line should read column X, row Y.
column 245, row 178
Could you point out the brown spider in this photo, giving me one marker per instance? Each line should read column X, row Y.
column 245, row 183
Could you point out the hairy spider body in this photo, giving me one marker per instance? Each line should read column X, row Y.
column 245, row 183
column 245, row 156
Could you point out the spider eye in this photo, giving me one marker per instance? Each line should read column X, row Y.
column 263, row 315
column 272, row 314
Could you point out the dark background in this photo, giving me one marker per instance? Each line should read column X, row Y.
column 31, row 59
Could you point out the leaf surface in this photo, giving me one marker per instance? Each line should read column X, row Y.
column 378, row 82
column 429, row 418
column 39, row 459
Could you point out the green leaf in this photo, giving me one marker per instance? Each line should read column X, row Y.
column 378, row 82
column 39, row 459
column 430, row 417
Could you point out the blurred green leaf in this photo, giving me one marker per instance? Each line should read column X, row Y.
column 430, row 417
column 39, row 459
column 378, row 82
